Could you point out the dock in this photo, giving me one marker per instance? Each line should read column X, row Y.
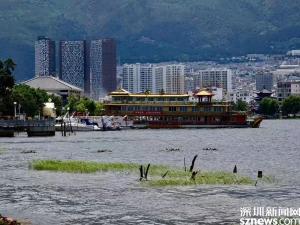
column 33, row 128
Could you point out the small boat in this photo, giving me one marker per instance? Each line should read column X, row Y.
column 75, row 124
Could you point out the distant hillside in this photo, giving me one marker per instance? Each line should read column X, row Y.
column 152, row 30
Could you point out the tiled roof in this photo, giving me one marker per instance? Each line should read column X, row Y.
column 50, row 83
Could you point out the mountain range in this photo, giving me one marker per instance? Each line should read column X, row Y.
column 152, row 30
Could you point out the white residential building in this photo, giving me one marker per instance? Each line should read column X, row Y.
column 215, row 77
column 155, row 78
column 175, row 79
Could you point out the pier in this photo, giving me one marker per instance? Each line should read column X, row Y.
column 33, row 128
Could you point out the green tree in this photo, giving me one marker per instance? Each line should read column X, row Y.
column 241, row 106
column 90, row 106
column 268, row 106
column 7, row 82
column 72, row 102
column 31, row 100
column 291, row 105
column 57, row 100
column 99, row 109
column 80, row 107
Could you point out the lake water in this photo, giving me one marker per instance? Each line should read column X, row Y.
column 118, row 198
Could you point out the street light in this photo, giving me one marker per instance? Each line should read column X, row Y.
column 15, row 109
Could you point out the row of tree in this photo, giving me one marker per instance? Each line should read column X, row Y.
column 272, row 107
column 84, row 105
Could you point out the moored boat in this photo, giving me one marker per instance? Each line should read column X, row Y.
column 176, row 111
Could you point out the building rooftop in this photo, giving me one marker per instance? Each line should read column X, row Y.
column 204, row 93
column 123, row 92
column 51, row 83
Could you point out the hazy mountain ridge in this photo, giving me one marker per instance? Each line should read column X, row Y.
column 153, row 30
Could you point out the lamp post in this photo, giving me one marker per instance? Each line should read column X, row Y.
column 15, row 109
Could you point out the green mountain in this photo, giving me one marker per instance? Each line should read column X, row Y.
column 152, row 30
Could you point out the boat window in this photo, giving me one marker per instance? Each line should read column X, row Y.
column 206, row 109
column 183, row 109
column 172, row 109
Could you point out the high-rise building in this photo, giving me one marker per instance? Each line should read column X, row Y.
column 109, row 65
column 96, row 79
column 155, row 78
column 44, row 57
column 175, row 79
column 73, row 60
column 103, row 67
column 287, row 88
column 220, row 78
column 160, row 83
column 264, row 80
column 130, row 77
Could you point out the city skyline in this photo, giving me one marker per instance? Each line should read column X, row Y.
column 89, row 65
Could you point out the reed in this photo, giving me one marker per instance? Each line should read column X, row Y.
column 202, row 178
column 174, row 177
column 71, row 166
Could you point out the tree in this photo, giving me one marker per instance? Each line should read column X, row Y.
column 268, row 106
column 99, row 109
column 7, row 82
column 80, row 107
column 57, row 100
column 291, row 105
column 241, row 106
column 72, row 102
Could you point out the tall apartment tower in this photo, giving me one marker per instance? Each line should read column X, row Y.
column 103, row 67
column 264, row 80
column 44, row 57
column 175, row 79
column 109, row 64
column 220, row 78
column 131, row 77
column 74, row 64
column 155, row 78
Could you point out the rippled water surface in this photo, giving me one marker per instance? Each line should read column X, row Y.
column 117, row 198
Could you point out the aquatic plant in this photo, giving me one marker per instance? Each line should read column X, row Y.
column 72, row 166
column 202, row 178
column 160, row 175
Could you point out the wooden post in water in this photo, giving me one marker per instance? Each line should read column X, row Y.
column 259, row 174
column 193, row 177
column 141, row 172
column 146, row 172
column 235, row 169
column 193, row 163
column 65, row 132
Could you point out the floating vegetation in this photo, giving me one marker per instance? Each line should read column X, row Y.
column 172, row 150
column 28, row 152
column 103, row 150
column 159, row 175
column 210, row 149
column 72, row 166
column 202, row 178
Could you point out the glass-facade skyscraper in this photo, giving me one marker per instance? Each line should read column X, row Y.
column 44, row 57
column 73, row 61
column 103, row 78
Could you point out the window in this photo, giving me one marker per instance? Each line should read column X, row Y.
column 172, row 109
column 183, row 109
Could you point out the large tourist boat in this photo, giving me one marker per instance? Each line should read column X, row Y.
column 176, row 111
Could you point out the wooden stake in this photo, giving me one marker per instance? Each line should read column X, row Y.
column 193, row 163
